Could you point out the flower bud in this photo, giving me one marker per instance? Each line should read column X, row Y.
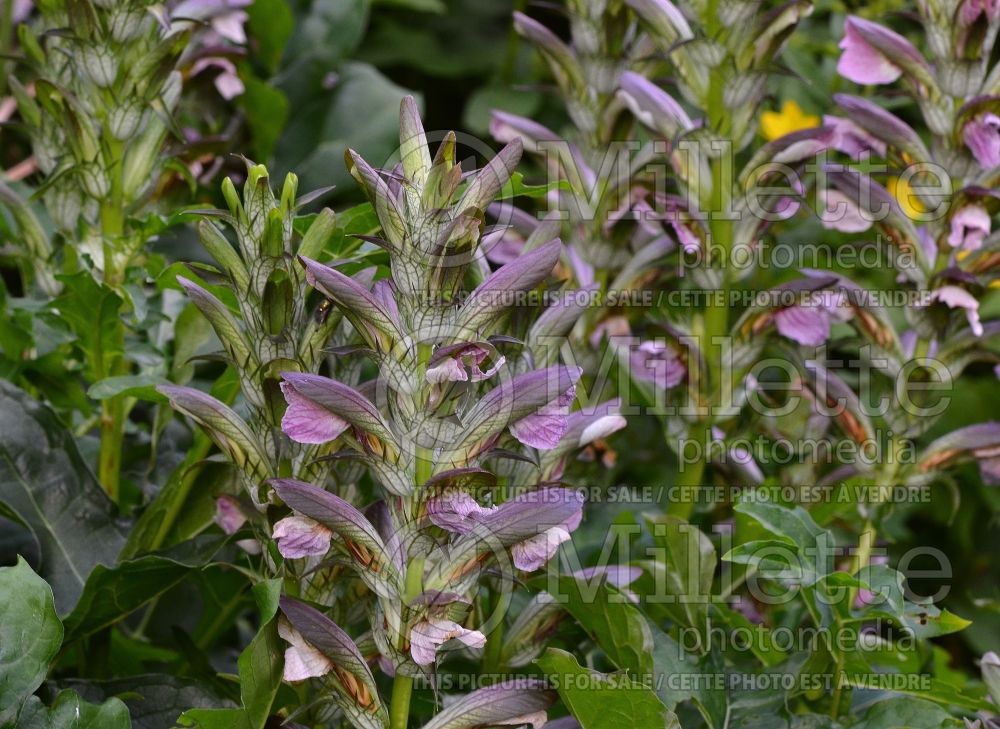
column 64, row 203
column 94, row 180
column 126, row 121
column 100, row 65
column 128, row 23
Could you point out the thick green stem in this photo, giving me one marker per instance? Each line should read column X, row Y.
column 493, row 653
column 863, row 555
column 112, row 436
column 113, row 410
column 402, row 685
column 399, row 708
column 688, row 479
column 715, row 205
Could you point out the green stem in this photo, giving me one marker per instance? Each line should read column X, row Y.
column 715, row 204
column 113, row 410
column 112, row 436
column 492, row 655
column 399, row 708
column 863, row 555
column 199, row 450
column 402, row 685
column 689, row 479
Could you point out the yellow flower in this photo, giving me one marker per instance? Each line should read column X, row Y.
column 774, row 124
column 905, row 196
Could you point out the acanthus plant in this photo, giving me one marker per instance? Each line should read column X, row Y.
column 693, row 219
column 97, row 89
column 453, row 394
column 612, row 246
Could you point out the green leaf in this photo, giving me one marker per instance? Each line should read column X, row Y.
column 260, row 666
column 670, row 659
column 326, row 123
column 798, row 535
column 603, row 701
column 267, row 111
column 689, row 561
column 30, row 635
column 114, row 593
column 154, row 701
column 614, row 623
column 792, row 523
column 214, row 719
column 46, row 486
column 71, row 712
column 425, row 6
column 142, row 387
column 923, row 620
column 519, row 188
column 92, row 312
column 906, row 713
column 936, row 691
column 271, row 23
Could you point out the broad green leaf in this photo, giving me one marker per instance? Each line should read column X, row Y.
column 906, row 713
column 326, row 123
column 46, row 486
column 154, row 701
column 689, row 560
column 260, row 666
column 793, row 523
column 214, row 719
column 615, row 624
column 113, row 593
column 604, row 701
column 762, row 642
column 271, row 22
column 267, row 111
column 670, row 663
column 92, row 312
column 69, row 711
column 426, row 6
column 30, row 635
column 888, row 600
column 797, row 530
column 142, row 387
column 934, row 690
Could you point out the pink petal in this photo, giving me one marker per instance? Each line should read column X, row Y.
column 229, row 514
column 306, row 422
column 602, row 428
column 809, row 326
column 300, row 536
column 229, row 86
column 448, row 370
column 230, row 26
column 839, row 213
column 541, row 430
column 852, row 139
column 532, row 553
column 428, row 635
column 969, row 228
column 861, row 63
column 982, row 137
column 655, row 361
column 955, row 297
column 302, row 660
